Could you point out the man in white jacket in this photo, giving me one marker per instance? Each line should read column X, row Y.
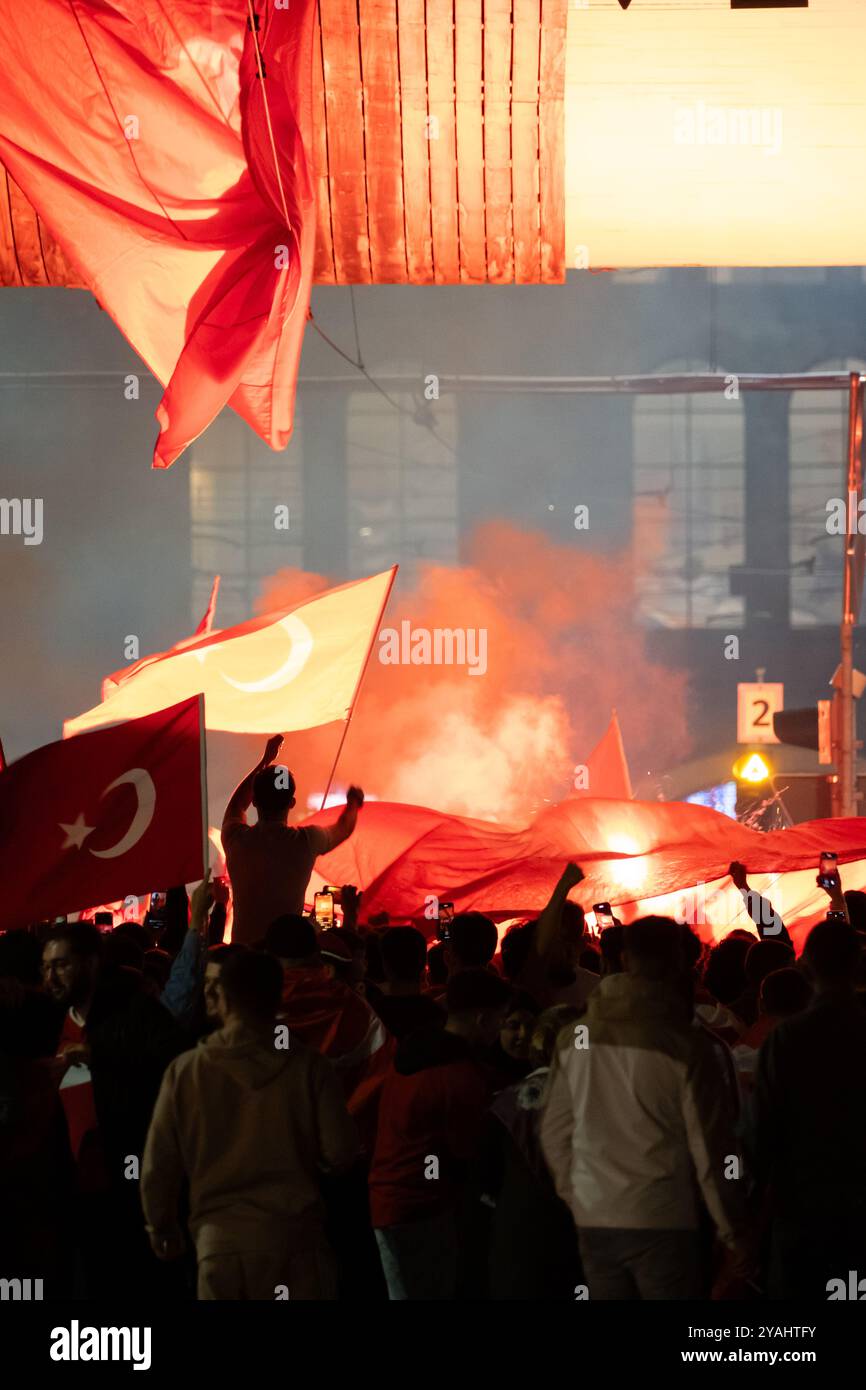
column 639, row 1127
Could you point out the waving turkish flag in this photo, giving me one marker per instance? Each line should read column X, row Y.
column 94, row 818
column 295, row 669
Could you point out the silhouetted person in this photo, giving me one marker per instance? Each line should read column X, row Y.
column 809, row 1135
column 532, row 1245
column 430, row 1124
column 270, row 863
column 251, row 1120
column 638, row 1127
column 399, row 1001
column 472, row 942
column 115, row 1044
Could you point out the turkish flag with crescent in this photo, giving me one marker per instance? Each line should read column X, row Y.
column 94, row 818
column 295, row 669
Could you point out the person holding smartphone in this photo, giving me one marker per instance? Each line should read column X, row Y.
column 830, row 880
column 763, row 914
column 270, row 863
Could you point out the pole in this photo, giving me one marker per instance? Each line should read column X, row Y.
column 351, row 710
column 202, row 754
column 846, row 753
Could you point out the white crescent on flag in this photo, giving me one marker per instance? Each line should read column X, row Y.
column 145, row 792
column 301, row 646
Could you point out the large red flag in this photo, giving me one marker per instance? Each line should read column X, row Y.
column 642, row 856
column 295, row 669
column 94, row 818
column 177, row 183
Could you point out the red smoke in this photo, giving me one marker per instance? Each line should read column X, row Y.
column 562, row 649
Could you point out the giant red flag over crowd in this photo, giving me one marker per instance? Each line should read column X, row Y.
column 93, row 818
column 641, row 856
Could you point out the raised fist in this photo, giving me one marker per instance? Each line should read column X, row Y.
column 272, row 748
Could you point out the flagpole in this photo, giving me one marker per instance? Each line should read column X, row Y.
column 202, row 744
column 353, row 701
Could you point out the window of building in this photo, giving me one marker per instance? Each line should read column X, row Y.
column 236, row 485
column 402, row 481
column 819, row 468
column 688, row 505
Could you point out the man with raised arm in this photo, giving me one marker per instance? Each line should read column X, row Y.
column 270, row 863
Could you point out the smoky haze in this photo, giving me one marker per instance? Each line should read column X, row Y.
column 481, row 524
column 501, row 743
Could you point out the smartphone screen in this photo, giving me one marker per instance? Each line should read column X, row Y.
column 603, row 915
column 828, row 870
column 323, row 909
column 443, row 921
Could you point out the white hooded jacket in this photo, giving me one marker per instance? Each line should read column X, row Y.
column 639, row 1123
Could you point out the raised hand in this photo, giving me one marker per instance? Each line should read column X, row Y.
column 221, row 891
column 572, row 875
column 350, row 901
column 272, row 748
column 201, row 899
column 738, row 874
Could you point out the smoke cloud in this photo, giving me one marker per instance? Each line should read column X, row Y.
column 562, row 649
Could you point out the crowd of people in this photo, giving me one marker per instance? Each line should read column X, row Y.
column 354, row 1112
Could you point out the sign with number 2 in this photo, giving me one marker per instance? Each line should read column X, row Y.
column 756, row 705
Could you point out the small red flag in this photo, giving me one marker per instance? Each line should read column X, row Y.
column 94, row 818
column 606, row 767
column 206, row 624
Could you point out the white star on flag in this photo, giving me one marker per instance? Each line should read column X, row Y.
column 76, row 833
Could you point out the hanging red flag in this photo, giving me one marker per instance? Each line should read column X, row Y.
column 176, row 180
column 94, row 818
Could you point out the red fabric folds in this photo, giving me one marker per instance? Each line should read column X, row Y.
column 641, row 856
column 139, row 133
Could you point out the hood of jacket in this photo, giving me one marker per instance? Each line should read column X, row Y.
column 628, row 998
column 249, row 1057
column 430, row 1047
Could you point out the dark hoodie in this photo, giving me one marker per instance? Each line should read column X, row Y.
column 430, row 1122
column 252, row 1128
